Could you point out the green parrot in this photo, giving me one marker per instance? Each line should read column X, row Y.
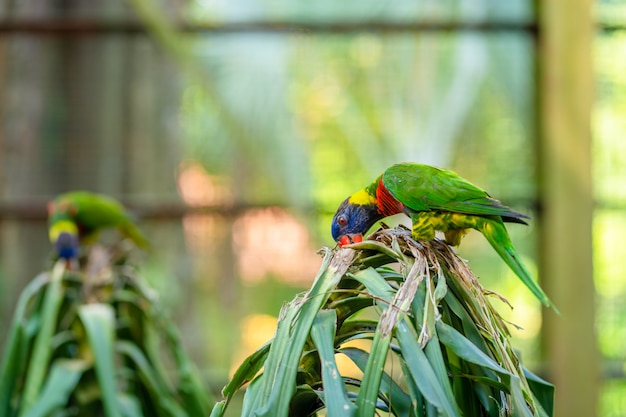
column 436, row 200
column 76, row 217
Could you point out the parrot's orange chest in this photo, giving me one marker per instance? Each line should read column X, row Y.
column 387, row 203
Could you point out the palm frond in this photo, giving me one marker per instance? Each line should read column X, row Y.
column 433, row 319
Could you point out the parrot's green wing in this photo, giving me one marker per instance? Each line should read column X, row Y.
column 93, row 212
column 424, row 188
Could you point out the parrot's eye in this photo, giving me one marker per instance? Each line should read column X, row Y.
column 342, row 220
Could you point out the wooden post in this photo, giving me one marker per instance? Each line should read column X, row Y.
column 565, row 96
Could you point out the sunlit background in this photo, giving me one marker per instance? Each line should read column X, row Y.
column 234, row 139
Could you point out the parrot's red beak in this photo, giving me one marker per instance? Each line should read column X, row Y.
column 347, row 239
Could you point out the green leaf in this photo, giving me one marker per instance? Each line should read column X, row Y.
column 17, row 345
column 279, row 378
column 323, row 334
column 99, row 322
column 374, row 261
column 355, row 329
column 441, row 288
column 347, row 307
column 306, row 402
column 195, row 399
column 274, row 367
column 422, row 372
column 252, row 399
column 518, row 402
column 218, row 409
column 401, row 301
column 368, row 394
column 470, row 330
column 378, row 247
column 398, row 400
column 416, row 405
column 436, row 359
column 130, row 406
column 375, row 284
column 465, row 349
column 40, row 358
column 248, row 369
column 154, row 382
column 542, row 390
column 152, row 347
column 62, row 379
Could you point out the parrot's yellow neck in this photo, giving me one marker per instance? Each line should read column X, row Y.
column 367, row 196
column 61, row 226
column 362, row 198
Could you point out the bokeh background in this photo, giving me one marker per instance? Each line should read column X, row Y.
column 233, row 129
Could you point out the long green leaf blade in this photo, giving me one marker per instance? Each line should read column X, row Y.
column 39, row 361
column 323, row 334
column 468, row 351
column 465, row 349
column 435, row 357
column 218, row 409
column 17, row 345
column 252, row 397
column 542, row 390
column 283, row 385
column 130, row 405
column 99, row 322
column 399, row 401
column 153, row 381
column 422, row 373
column 368, row 394
column 248, row 369
column 266, row 381
column 62, row 379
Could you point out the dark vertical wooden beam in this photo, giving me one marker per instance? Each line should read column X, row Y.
column 565, row 96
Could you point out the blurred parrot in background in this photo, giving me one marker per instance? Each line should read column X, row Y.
column 436, row 200
column 76, row 217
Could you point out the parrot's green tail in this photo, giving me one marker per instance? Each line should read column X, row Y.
column 131, row 231
column 498, row 237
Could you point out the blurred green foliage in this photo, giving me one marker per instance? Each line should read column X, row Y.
column 94, row 342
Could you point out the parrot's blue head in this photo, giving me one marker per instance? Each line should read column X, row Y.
column 352, row 220
column 66, row 245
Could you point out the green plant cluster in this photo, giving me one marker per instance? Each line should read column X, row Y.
column 452, row 350
column 92, row 341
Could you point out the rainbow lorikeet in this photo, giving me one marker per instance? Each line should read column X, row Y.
column 436, row 200
column 76, row 217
